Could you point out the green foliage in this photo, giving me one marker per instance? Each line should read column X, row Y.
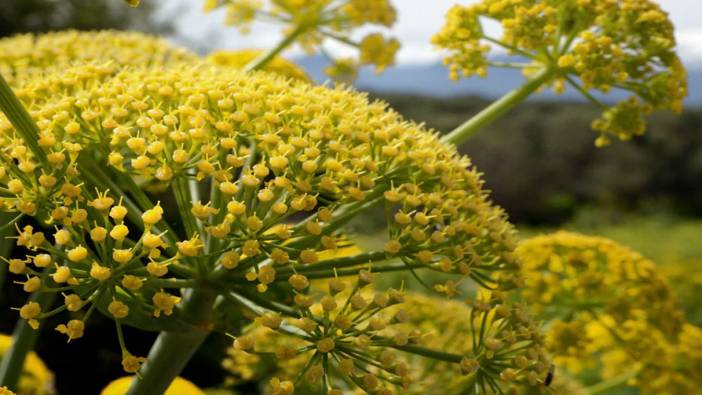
column 23, row 16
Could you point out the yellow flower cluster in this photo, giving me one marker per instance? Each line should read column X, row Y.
column 26, row 56
column 339, row 329
column 608, row 310
column 501, row 344
column 312, row 22
column 348, row 334
column 240, row 58
column 36, row 378
column 679, row 370
column 627, row 45
column 258, row 175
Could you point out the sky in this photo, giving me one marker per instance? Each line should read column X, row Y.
column 417, row 21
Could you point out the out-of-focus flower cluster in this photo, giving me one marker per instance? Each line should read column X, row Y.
column 240, row 58
column 27, row 56
column 36, row 377
column 601, row 45
column 179, row 386
column 344, row 334
column 608, row 309
column 314, row 21
column 257, row 173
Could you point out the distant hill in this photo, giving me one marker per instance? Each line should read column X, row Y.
column 432, row 80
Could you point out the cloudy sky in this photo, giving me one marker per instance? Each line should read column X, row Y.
column 417, row 21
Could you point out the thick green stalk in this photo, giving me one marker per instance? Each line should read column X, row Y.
column 495, row 110
column 172, row 350
column 5, row 246
column 181, row 190
column 266, row 57
column 21, row 120
column 612, row 383
column 23, row 340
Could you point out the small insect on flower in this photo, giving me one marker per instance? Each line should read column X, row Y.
column 550, row 375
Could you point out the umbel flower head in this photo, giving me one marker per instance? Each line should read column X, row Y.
column 604, row 45
column 258, row 176
column 607, row 309
column 351, row 334
column 26, row 56
column 313, row 22
column 240, row 58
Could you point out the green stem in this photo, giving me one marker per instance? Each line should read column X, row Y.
column 612, row 383
column 429, row 353
column 172, row 350
column 497, row 109
column 21, row 120
column 181, row 190
column 23, row 340
column 5, row 248
column 261, row 61
column 7, row 222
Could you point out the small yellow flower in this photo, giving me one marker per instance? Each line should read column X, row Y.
column 73, row 329
column 119, row 232
column 29, row 312
column 190, row 248
column 118, row 309
column 132, row 283
column 164, row 302
column 100, row 273
column 73, row 302
column 77, row 254
column 153, row 215
column 132, row 364
column 62, row 274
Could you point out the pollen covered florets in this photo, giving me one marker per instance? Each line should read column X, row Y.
column 26, row 56
column 363, row 337
column 601, row 45
column 262, row 174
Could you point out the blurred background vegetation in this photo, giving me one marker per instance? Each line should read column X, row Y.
column 23, row 16
column 539, row 162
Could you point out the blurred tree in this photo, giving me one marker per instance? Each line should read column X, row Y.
column 23, row 16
